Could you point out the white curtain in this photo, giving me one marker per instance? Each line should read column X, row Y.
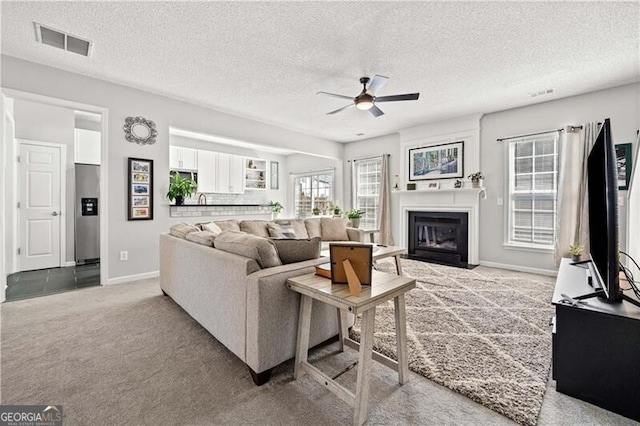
column 572, row 220
column 384, row 211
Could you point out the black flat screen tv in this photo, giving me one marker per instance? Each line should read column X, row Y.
column 602, row 184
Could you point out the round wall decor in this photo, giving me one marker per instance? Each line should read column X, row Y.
column 140, row 130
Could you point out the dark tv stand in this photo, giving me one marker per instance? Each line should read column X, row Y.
column 595, row 345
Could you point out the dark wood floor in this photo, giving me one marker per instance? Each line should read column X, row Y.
column 28, row 284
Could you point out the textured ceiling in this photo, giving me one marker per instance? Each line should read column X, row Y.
column 267, row 60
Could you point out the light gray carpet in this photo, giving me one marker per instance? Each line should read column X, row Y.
column 485, row 334
column 124, row 354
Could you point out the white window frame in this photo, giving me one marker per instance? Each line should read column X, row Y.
column 370, row 219
column 311, row 174
column 510, row 242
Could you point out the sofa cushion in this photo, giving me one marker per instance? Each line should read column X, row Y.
column 209, row 226
column 314, row 229
column 297, row 225
column 292, row 251
column 181, row 230
column 206, row 238
column 281, row 231
column 334, row 229
column 255, row 227
column 263, row 250
column 230, row 224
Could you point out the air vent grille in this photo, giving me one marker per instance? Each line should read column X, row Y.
column 62, row 40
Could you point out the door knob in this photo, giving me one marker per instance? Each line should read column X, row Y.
column 54, row 214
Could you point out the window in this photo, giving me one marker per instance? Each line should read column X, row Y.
column 366, row 178
column 533, row 177
column 313, row 193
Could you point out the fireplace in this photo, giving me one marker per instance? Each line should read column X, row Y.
column 438, row 236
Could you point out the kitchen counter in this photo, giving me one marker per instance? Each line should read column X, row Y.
column 220, row 205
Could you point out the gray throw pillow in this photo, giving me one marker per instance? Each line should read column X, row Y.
column 206, row 238
column 292, row 251
column 181, row 230
column 281, row 231
column 255, row 227
column 209, row 226
column 230, row 224
column 314, row 228
column 334, row 229
column 263, row 250
column 298, row 226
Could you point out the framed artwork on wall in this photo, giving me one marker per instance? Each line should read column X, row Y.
column 275, row 169
column 444, row 161
column 623, row 163
column 140, row 193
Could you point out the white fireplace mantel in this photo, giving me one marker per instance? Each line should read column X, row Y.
column 454, row 200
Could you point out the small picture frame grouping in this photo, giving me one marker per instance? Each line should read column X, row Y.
column 140, row 189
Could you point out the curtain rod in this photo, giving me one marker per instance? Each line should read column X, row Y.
column 368, row 158
column 313, row 172
column 537, row 133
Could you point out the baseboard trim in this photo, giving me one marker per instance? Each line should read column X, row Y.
column 549, row 272
column 136, row 277
column 72, row 263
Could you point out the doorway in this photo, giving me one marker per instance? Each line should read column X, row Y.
column 30, row 264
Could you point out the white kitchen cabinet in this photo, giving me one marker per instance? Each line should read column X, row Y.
column 87, row 146
column 183, row 158
column 236, row 171
column 207, row 171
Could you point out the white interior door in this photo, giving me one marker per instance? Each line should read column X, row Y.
column 40, row 201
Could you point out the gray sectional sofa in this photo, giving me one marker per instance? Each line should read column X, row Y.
column 245, row 307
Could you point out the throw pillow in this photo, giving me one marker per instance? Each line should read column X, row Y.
column 281, row 231
column 255, row 227
column 263, row 250
column 181, row 230
column 230, row 224
column 314, row 228
column 298, row 226
column 211, row 227
column 334, row 229
column 292, row 251
column 206, row 238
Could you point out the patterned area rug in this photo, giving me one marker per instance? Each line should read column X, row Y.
column 483, row 333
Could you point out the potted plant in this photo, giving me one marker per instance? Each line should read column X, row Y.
column 316, row 211
column 276, row 208
column 575, row 250
column 336, row 210
column 180, row 187
column 476, row 179
column 354, row 217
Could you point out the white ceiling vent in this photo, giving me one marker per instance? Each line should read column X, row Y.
column 62, row 40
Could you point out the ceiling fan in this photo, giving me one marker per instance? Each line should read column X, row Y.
column 367, row 99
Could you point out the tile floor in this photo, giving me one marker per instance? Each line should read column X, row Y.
column 28, row 284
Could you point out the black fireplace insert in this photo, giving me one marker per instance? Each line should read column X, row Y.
column 441, row 237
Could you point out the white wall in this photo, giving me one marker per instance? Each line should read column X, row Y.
column 620, row 104
column 46, row 123
column 140, row 238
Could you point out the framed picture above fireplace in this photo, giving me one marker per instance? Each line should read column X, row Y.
column 444, row 161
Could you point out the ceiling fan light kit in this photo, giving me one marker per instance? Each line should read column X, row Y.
column 366, row 100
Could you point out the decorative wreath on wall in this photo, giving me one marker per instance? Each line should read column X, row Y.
column 140, row 130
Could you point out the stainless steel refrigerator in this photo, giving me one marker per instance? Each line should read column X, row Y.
column 87, row 224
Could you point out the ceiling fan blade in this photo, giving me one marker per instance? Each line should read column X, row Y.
column 405, row 97
column 335, row 95
column 340, row 109
column 375, row 111
column 376, row 83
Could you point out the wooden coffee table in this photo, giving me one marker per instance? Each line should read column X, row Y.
column 380, row 252
column 384, row 287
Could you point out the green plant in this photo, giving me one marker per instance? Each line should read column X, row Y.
column 181, row 187
column 476, row 176
column 276, row 207
column 575, row 249
column 354, row 214
column 336, row 209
